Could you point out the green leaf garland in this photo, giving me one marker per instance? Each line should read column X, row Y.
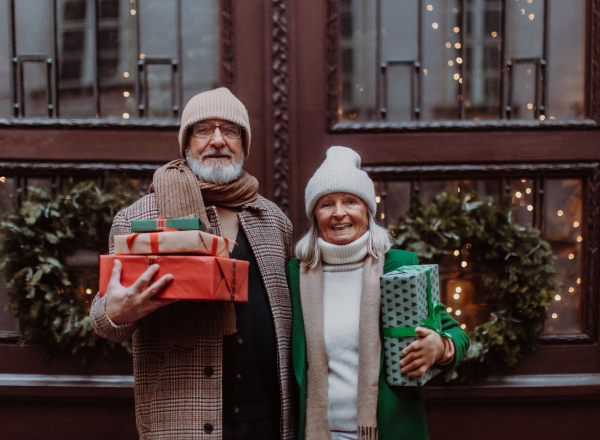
column 37, row 238
column 516, row 267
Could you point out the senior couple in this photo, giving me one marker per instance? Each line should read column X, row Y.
column 302, row 359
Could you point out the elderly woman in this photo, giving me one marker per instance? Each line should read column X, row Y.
column 336, row 342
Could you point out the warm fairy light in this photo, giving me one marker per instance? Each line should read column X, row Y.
column 571, row 289
column 456, row 252
column 468, row 245
column 340, row 111
column 552, row 117
column 448, row 45
column 529, row 1
column 456, row 76
column 459, row 60
column 529, row 208
column 530, row 106
column 571, row 256
column 460, row 97
column 457, row 312
column 494, row 34
column 450, row 63
column 518, row 194
column 88, row 291
column 463, row 326
column 125, row 115
column 382, row 216
column 429, row 7
column 460, row 81
column 434, row 25
column 456, row 30
column 542, row 117
column 523, row 11
column 126, row 74
column 126, row 94
column 579, row 239
column 458, row 290
column 425, row 72
column 523, row 180
column 463, row 264
column 528, row 71
column 455, row 10
column 531, row 16
column 457, row 45
column 2, row 179
column 528, row 190
column 449, row 309
column 555, row 315
column 456, row 296
column 377, row 199
column 557, row 297
column 142, row 56
column 559, row 213
column 133, row 12
column 578, row 280
column 575, row 224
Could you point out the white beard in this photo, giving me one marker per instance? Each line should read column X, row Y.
column 216, row 172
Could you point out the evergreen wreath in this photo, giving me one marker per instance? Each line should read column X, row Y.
column 516, row 268
column 37, row 238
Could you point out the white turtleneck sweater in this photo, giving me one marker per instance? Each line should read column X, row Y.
column 342, row 285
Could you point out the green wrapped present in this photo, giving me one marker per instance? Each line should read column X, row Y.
column 164, row 223
column 409, row 298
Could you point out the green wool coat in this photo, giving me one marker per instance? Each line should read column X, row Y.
column 400, row 410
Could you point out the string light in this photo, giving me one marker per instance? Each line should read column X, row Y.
column 528, row 190
column 460, row 81
column 518, row 195
column 579, row 239
column 377, row 199
column 456, row 252
column 425, row 72
column 557, row 298
column 382, row 216
column 126, row 74
column 571, row 289
column 125, row 115
column 126, row 94
column 523, row 180
column 456, row 76
column 449, row 309
column 529, row 208
column 142, row 56
column 460, row 97
column 429, row 7
column 133, row 12
column 530, row 106
column 2, row 179
column 456, row 30
column 458, row 290
column 468, row 245
column 457, row 45
column 531, row 16
column 457, row 313
column 456, row 296
column 555, row 315
column 552, row 117
column 575, row 224
column 459, row 60
column 448, row 45
column 578, row 280
column 494, row 34
column 523, row 11
column 88, row 291
column 559, row 213
column 542, row 117
column 434, row 25
column 463, row 264
column 451, row 63
column 463, row 326
column 571, row 256
column 455, row 10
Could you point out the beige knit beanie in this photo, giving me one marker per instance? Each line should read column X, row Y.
column 214, row 104
column 340, row 173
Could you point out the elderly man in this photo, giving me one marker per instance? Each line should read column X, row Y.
column 209, row 370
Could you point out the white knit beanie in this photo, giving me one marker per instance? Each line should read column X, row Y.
column 340, row 173
column 214, row 104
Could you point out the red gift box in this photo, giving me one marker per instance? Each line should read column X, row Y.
column 194, row 278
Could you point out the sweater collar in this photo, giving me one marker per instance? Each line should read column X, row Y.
column 346, row 253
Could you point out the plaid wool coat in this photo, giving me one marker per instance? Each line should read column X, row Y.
column 176, row 395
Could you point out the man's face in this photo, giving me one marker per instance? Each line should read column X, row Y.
column 215, row 145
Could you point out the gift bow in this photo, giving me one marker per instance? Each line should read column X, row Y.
column 433, row 321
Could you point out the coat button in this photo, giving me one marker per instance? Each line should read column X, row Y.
column 208, row 428
column 208, row 371
column 236, row 409
column 240, row 339
column 238, row 377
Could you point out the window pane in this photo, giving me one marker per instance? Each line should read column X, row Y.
column 117, row 57
column 459, row 70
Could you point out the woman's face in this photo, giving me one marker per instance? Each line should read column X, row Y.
column 341, row 217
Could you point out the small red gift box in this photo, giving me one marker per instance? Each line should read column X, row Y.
column 194, row 278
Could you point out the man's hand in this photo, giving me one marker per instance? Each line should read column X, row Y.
column 423, row 353
column 125, row 305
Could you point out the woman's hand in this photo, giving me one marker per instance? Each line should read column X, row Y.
column 429, row 349
column 125, row 305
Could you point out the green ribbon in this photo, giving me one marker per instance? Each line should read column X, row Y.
column 433, row 321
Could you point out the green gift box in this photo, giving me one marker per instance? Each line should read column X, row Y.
column 163, row 223
column 409, row 298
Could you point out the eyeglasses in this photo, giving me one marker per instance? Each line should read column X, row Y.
column 206, row 130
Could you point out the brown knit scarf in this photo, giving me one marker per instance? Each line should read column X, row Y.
column 369, row 352
column 179, row 193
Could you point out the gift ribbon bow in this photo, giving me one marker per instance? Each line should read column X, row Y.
column 433, row 321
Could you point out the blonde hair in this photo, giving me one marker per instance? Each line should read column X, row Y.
column 307, row 248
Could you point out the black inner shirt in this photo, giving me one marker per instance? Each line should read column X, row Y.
column 250, row 380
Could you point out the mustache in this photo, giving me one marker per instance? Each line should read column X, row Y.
column 220, row 151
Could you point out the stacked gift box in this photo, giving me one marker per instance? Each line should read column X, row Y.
column 410, row 298
column 186, row 248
